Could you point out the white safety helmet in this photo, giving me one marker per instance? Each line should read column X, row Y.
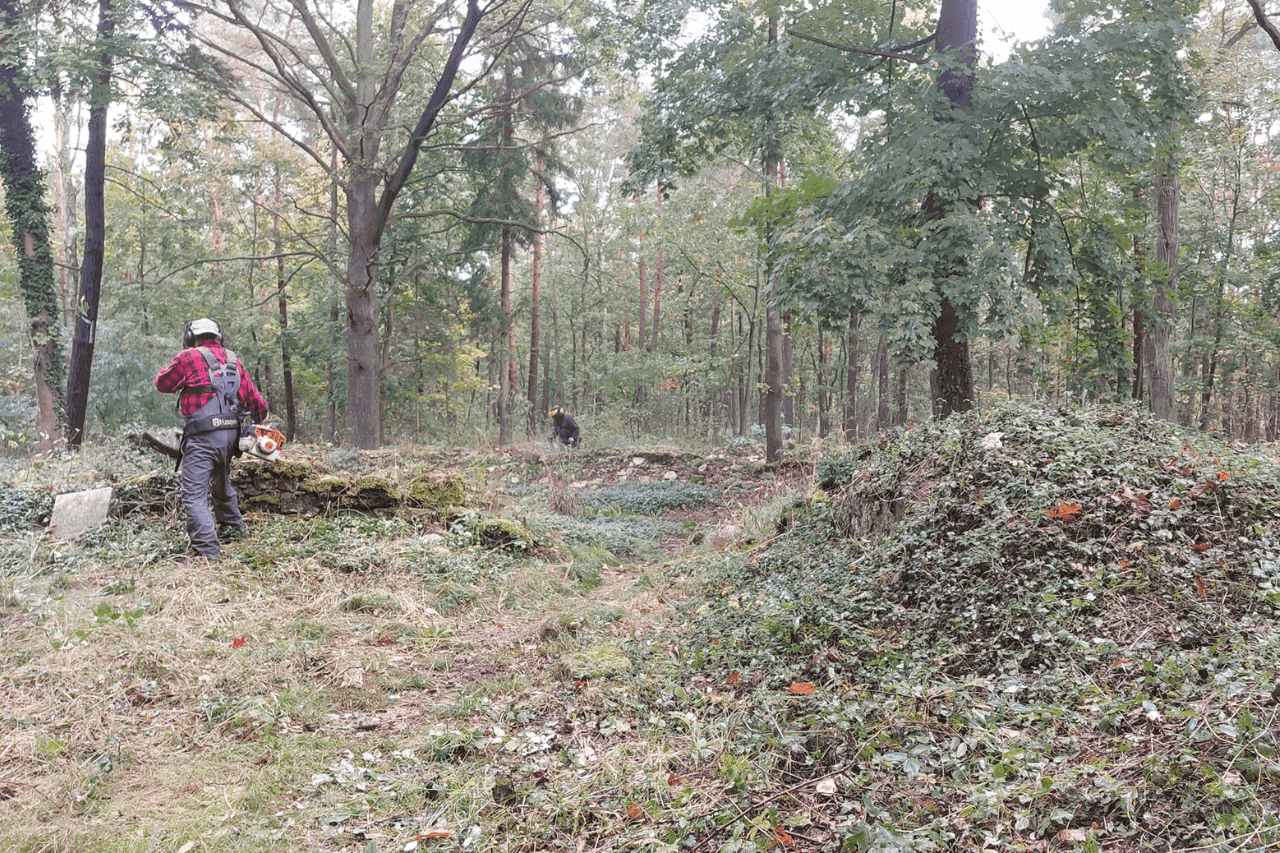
column 205, row 326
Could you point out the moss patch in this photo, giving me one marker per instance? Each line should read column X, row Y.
column 326, row 484
column 504, row 534
column 436, row 490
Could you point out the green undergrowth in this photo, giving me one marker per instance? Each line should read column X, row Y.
column 1023, row 630
column 646, row 498
column 1011, row 629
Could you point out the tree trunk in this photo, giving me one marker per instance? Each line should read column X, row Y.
column 506, row 369
column 24, row 191
column 775, row 355
column 1160, row 360
column 364, row 379
column 65, row 194
column 884, row 413
column 952, row 384
column 535, row 297
column 712, row 408
column 335, row 311
column 1219, row 305
column 644, row 293
column 824, row 384
column 952, row 376
column 286, row 369
column 659, row 275
column 95, row 229
column 900, row 419
column 1139, row 319
column 773, row 383
column 852, row 368
column 1139, row 346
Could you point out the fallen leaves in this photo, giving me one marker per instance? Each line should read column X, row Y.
column 802, row 688
column 826, row 786
column 782, row 837
column 1065, row 511
column 426, row 836
column 1208, row 484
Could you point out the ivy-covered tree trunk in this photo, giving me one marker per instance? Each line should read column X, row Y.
column 95, row 231
column 24, row 194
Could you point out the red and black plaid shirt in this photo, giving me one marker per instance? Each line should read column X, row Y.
column 189, row 375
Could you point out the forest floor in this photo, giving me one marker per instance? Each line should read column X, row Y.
column 358, row 681
column 1022, row 629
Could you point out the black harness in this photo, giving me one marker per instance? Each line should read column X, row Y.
column 222, row 411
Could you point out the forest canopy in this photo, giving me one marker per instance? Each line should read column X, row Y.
column 767, row 221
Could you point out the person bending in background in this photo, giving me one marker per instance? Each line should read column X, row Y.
column 213, row 390
column 565, row 427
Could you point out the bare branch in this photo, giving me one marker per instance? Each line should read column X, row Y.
column 885, row 54
column 1265, row 22
column 326, row 51
column 396, row 180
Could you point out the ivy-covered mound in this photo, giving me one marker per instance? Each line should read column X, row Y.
column 1021, row 628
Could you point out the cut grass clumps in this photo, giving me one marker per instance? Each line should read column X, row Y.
column 647, row 498
column 599, row 661
column 369, row 603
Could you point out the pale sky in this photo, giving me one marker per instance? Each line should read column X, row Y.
column 1017, row 20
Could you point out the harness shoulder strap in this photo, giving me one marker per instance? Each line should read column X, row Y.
column 221, row 371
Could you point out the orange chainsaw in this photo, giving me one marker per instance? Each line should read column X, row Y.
column 263, row 442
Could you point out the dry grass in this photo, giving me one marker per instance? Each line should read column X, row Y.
column 319, row 690
column 219, row 692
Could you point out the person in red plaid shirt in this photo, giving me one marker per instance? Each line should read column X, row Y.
column 211, row 433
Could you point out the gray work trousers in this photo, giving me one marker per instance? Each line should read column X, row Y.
column 206, row 474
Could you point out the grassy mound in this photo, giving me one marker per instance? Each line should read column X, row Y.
column 1019, row 628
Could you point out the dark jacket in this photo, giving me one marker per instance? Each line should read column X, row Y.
column 566, row 428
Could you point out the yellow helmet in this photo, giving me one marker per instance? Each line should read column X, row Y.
column 558, row 410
